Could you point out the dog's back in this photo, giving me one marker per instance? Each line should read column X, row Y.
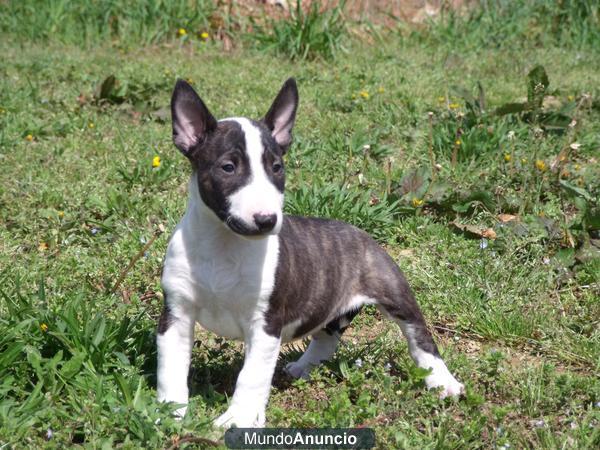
column 328, row 269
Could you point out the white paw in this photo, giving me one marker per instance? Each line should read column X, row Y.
column 297, row 370
column 247, row 417
column 450, row 385
column 179, row 413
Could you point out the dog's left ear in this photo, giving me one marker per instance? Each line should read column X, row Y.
column 282, row 114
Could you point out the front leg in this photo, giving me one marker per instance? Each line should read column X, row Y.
column 175, row 339
column 247, row 408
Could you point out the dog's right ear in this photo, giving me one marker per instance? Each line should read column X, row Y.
column 192, row 120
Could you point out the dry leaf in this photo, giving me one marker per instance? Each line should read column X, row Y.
column 126, row 295
column 474, row 230
column 504, row 218
column 489, row 233
column 227, row 44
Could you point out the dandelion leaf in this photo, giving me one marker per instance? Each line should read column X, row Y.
column 537, row 85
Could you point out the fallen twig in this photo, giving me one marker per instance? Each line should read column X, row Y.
column 126, row 270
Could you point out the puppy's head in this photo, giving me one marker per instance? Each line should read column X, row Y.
column 238, row 161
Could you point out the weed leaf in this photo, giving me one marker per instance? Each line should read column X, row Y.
column 537, row 85
column 510, row 108
column 575, row 190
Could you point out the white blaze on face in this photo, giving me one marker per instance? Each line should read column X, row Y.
column 259, row 196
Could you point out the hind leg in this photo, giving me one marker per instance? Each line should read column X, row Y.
column 425, row 354
column 321, row 348
column 421, row 346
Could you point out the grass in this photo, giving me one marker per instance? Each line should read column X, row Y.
column 514, row 302
column 305, row 34
column 104, row 21
column 525, row 23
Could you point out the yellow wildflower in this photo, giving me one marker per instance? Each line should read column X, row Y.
column 190, row 80
column 204, row 35
column 523, row 161
column 453, row 106
column 364, row 94
column 540, row 165
column 380, row 90
column 29, row 137
column 181, row 32
column 44, row 327
column 42, row 247
column 61, row 214
column 156, row 162
column 91, row 125
column 507, row 157
column 416, row 202
column 577, row 167
column 441, row 99
column 571, row 98
column 458, row 142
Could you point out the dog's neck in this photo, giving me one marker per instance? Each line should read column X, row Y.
column 200, row 214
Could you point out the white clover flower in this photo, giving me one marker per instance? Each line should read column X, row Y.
column 539, row 423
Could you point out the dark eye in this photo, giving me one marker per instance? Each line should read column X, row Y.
column 228, row 167
column 277, row 167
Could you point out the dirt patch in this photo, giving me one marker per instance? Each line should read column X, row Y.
column 410, row 11
column 382, row 12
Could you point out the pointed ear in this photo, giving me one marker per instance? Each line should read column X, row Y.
column 282, row 114
column 192, row 120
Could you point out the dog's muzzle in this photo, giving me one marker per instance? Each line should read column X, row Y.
column 263, row 224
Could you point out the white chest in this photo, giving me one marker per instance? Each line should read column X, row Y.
column 226, row 278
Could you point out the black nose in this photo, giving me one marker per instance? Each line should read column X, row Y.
column 265, row 222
